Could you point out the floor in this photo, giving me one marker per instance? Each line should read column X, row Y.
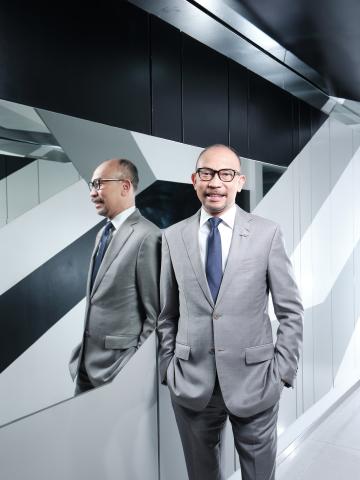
column 332, row 451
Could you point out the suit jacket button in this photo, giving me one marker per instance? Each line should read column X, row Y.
column 216, row 316
column 212, row 351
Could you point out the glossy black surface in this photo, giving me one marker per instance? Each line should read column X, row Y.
column 270, row 122
column 317, row 119
column 324, row 34
column 296, row 124
column 2, row 166
column 35, row 304
column 91, row 63
column 270, row 177
column 120, row 66
column 10, row 164
column 304, row 123
column 165, row 203
column 205, row 95
column 238, row 108
column 166, row 80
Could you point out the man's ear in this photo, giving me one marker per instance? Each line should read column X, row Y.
column 193, row 180
column 126, row 185
column 242, row 180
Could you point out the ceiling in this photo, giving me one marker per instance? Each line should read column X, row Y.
column 309, row 49
column 324, row 34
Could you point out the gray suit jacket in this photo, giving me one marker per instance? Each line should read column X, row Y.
column 123, row 305
column 234, row 336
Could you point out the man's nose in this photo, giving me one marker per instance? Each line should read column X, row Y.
column 215, row 181
column 93, row 192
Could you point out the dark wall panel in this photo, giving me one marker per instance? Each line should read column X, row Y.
column 296, row 126
column 304, row 124
column 10, row 164
column 205, row 95
column 165, row 203
column 2, row 166
column 116, row 64
column 166, row 80
column 238, row 108
column 93, row 63
column 317, row 119
column 270, row 122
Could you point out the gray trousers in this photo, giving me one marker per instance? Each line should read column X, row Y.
column 255, row 440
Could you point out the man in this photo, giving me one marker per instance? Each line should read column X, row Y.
column 122, row 301
column 216, row 347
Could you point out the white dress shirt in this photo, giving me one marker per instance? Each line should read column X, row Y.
column 226, row 228
column 121, row 217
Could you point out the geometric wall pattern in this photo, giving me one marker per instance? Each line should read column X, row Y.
column 322, row 230
column 46, row 262
column 320, row 219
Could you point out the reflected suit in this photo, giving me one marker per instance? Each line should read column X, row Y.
column 123, row 304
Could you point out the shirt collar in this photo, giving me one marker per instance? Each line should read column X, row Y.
column 227, row 217
column 120, row 218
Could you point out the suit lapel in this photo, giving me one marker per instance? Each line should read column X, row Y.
column 190, row 235
column 119, row 239
column 238, row 249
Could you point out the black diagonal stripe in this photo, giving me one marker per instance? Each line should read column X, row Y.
column 36, row 303
column 10, row 164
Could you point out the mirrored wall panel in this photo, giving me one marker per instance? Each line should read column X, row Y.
column 48, row 228
column 33, row 166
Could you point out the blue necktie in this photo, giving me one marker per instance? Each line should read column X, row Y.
column 103, row 244
column 214, row 258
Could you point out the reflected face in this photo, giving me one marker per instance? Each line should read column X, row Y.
column 113, row 197
column 215, row 195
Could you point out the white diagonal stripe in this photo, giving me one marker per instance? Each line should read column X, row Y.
column 47, row 229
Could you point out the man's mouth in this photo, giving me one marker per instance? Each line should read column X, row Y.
column 215, row 195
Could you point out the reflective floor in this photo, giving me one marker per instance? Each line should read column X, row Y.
column 332, row 451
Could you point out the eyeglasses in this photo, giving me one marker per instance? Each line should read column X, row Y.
column 225, row 174
column 98, row 182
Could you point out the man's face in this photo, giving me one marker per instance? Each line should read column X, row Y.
column 215, row 195
column 111, row 199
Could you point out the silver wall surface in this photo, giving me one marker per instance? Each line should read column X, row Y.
column 109, row 433
column 317, row 203
column 320, row 219
column 31, row 185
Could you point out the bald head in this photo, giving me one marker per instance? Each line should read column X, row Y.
column 220, row 150
column 217, row 194
column 118, row 181
column 122, row 168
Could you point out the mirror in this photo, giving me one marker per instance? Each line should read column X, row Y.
column 47, row 231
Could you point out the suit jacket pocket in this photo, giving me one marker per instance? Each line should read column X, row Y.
column 121, row 342
column 259, row 354
column 182, row 351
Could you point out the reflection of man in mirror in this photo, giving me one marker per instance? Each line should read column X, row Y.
column 216, row 347
column 122, row 301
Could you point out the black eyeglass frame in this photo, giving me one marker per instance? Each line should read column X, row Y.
column 99, row 182
column 212, row 172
